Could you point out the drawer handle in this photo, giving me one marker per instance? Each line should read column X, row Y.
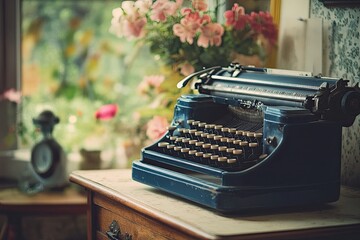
column 114, row 232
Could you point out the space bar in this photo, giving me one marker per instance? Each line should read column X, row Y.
column 181, row 163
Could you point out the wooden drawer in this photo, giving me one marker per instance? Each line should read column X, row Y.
column 136, row 224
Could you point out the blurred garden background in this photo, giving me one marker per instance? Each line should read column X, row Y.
column 108, row 68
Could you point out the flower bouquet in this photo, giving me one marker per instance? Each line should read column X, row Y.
column 187, row 35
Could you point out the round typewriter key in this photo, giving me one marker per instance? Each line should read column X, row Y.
column 185, row 140
column 239, row 132
column 217, row 137
column 198, row 133
column 199, row 144
column 179, row 139
column 223, row 139
column 253, row 145
column 237, row 152
column 192, row 142
column 192, row 131
column 210, row 136
column 232, row 130
column 170, row 146
column 221, row 161
column 177, row 148
column 258, row 135
column 204, row 135
column 190, row 121
column 192, row 152
column 171, row 129
column 230, row 150
column 185, row 150
column 191, row 155
column 205, row 159
column 213, row 160
column 230, row 140
column 208, row 126
column 231, row 160
column 181, row 130
column 163, row 144
column 222, row 148
column 218, row 127
column 198, row 156
column 195, row 123
column 244, row 143
column 214, row 147
column 173, row 138
column 206, row 147
column 236, row 142
column 250, row 134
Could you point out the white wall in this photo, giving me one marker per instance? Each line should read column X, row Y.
column 292, row 34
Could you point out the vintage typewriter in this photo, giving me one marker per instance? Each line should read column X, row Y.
column 253, row 138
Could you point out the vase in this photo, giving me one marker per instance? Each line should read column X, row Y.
column 90, row 159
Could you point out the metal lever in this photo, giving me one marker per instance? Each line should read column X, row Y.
column 183, row 82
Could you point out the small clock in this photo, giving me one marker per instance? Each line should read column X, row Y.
column 45, row 157
column 48, row 161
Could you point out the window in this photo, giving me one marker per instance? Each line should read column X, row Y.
column 61, row 57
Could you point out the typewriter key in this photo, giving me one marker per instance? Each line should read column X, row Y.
column 221, row 161
column 258, row 135
column 206, row 147
column 163, row 144
column 253, row 145
column 222, row 151
column 170, row 146
column 205, row 159
column 214, row 148
column 213, row 160
column 171, row 129
column 185, row 150
column 190, row 121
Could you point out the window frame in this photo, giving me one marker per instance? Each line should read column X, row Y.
column 10, row 67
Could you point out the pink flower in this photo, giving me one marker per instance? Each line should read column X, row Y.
column 211, row 34
column 12, row 95
column 186, row 69
column 156, row 127
column 236, row 17
column 153, row 81
column 143, row 6
column 262, row 23
column 106, row 112
column 161, row 9
column 188, row 26
column 186, row 30
column 200, row 5
column 127, row 21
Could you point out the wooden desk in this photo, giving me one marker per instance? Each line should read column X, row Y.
column 143, row 212
column 15, row 205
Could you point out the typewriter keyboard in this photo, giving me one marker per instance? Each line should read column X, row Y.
column 227, row 148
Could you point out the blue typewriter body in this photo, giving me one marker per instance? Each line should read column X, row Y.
column 253, row 139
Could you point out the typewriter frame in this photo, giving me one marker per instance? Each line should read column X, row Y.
column 302, row 140
column 258, row 186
